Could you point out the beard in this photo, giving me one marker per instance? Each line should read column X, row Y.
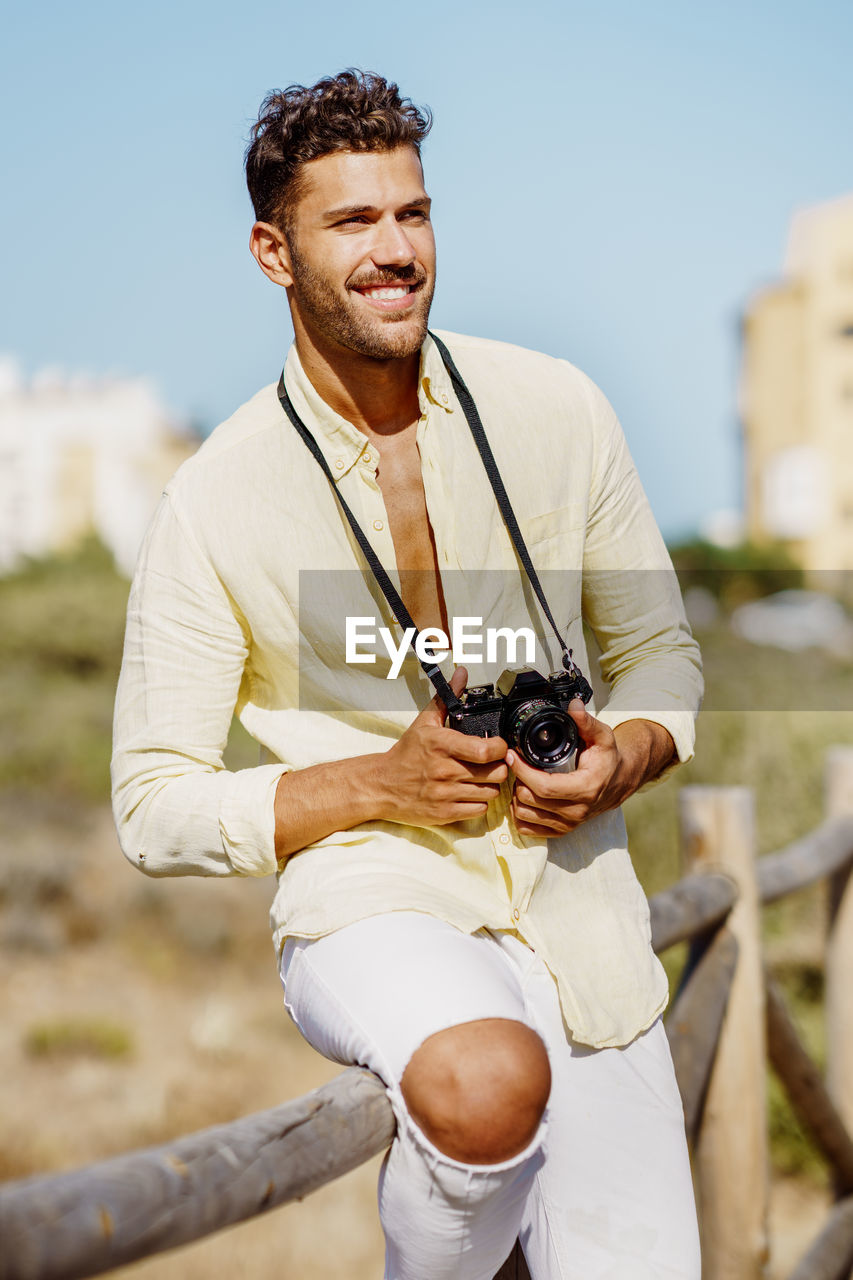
column 388, row 337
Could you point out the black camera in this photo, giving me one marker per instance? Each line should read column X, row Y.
column 529, row 712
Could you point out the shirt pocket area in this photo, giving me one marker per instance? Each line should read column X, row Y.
column 552, row 524
column 555, row 538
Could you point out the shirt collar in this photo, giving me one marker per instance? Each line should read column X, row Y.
column 435, row 381
column 342, row 443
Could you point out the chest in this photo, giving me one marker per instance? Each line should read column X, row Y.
column 400, row 479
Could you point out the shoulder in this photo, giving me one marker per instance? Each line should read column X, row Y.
column 247, row 428
column 513, row 380
column 235, row 456
column 238, row 469
column 502, row 368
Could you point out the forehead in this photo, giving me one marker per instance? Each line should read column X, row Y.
column 347, row 178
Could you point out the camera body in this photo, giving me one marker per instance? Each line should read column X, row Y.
column 530, row 712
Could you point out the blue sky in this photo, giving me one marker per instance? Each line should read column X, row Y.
column 611, row 184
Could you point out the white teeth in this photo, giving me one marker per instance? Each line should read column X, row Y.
column 399, row 291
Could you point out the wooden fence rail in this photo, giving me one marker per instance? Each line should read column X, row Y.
column 92, row 1220
column 726, row 1017
column 82, row 1223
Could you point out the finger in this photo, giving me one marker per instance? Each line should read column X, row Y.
column 592, row 731
column 536, row 832
column 579, row 795
column 556, row 824
column 435, row 712
column 475, row 750
column 463, row 811
column 495, row 771
column 459, row 785
column 544, row 785
column 483, row 791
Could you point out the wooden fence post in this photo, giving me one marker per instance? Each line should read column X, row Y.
column 839, row 952
column 730, row 1154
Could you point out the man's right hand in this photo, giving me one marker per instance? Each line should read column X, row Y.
column 430, row 777
column 435, row 775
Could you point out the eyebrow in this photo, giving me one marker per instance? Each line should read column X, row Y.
column 353, row 210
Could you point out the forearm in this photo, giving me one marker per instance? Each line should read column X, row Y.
column 430, row 777
column 312, row 803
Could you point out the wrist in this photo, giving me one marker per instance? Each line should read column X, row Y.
column 379, row 780
column 645, row 750
column 373, row 783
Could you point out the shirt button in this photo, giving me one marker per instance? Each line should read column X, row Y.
column 141, row 857
column 378, row 525
column 339, row 463
column 367, row 458
column 504, row 838
column 516, row 914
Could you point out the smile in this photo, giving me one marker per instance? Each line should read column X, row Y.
column 391, row 299
column 385, row 293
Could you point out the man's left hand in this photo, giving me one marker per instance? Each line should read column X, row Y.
column 611, row 767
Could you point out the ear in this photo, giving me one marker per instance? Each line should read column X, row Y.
column 271, row 252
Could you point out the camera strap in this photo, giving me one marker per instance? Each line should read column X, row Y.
column 390, row 592
column 472, row 417
column 392, row 595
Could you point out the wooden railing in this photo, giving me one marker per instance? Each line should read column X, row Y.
column 727, row 1017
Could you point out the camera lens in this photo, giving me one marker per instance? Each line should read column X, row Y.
column 545, row 736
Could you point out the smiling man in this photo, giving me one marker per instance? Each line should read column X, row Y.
column 467, row 925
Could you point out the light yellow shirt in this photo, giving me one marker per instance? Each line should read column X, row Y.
column 244, row 582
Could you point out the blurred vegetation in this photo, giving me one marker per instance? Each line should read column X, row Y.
column 60, row 653
column 770, row 717
column 735, row 574
column 78, row 1037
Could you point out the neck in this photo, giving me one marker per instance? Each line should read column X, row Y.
column 379, row 397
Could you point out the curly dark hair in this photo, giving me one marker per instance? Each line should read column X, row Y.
column 352, row 111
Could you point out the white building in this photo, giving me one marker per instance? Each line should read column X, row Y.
column 81, row 455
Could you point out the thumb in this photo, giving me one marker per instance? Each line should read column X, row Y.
column 590, row 729
column 435, row 712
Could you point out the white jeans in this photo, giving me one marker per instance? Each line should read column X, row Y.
column 604, row 1190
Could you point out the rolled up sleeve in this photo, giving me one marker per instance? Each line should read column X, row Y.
column 177, row 809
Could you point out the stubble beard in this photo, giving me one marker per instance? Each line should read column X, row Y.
column 385, row 338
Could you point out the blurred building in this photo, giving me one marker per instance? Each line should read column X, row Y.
column 797, row 395
column 79, row 456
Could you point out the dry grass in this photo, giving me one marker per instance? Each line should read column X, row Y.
column 185, row 970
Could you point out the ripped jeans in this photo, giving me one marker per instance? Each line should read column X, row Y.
column 603, row 1191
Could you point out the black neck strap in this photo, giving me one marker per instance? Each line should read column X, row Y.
column 401, row 613
column 472, row 417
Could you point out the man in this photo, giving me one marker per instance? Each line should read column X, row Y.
column 465, row 924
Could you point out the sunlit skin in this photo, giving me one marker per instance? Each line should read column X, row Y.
column 361, row 219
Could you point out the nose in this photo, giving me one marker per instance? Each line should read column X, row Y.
column 392, row 247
